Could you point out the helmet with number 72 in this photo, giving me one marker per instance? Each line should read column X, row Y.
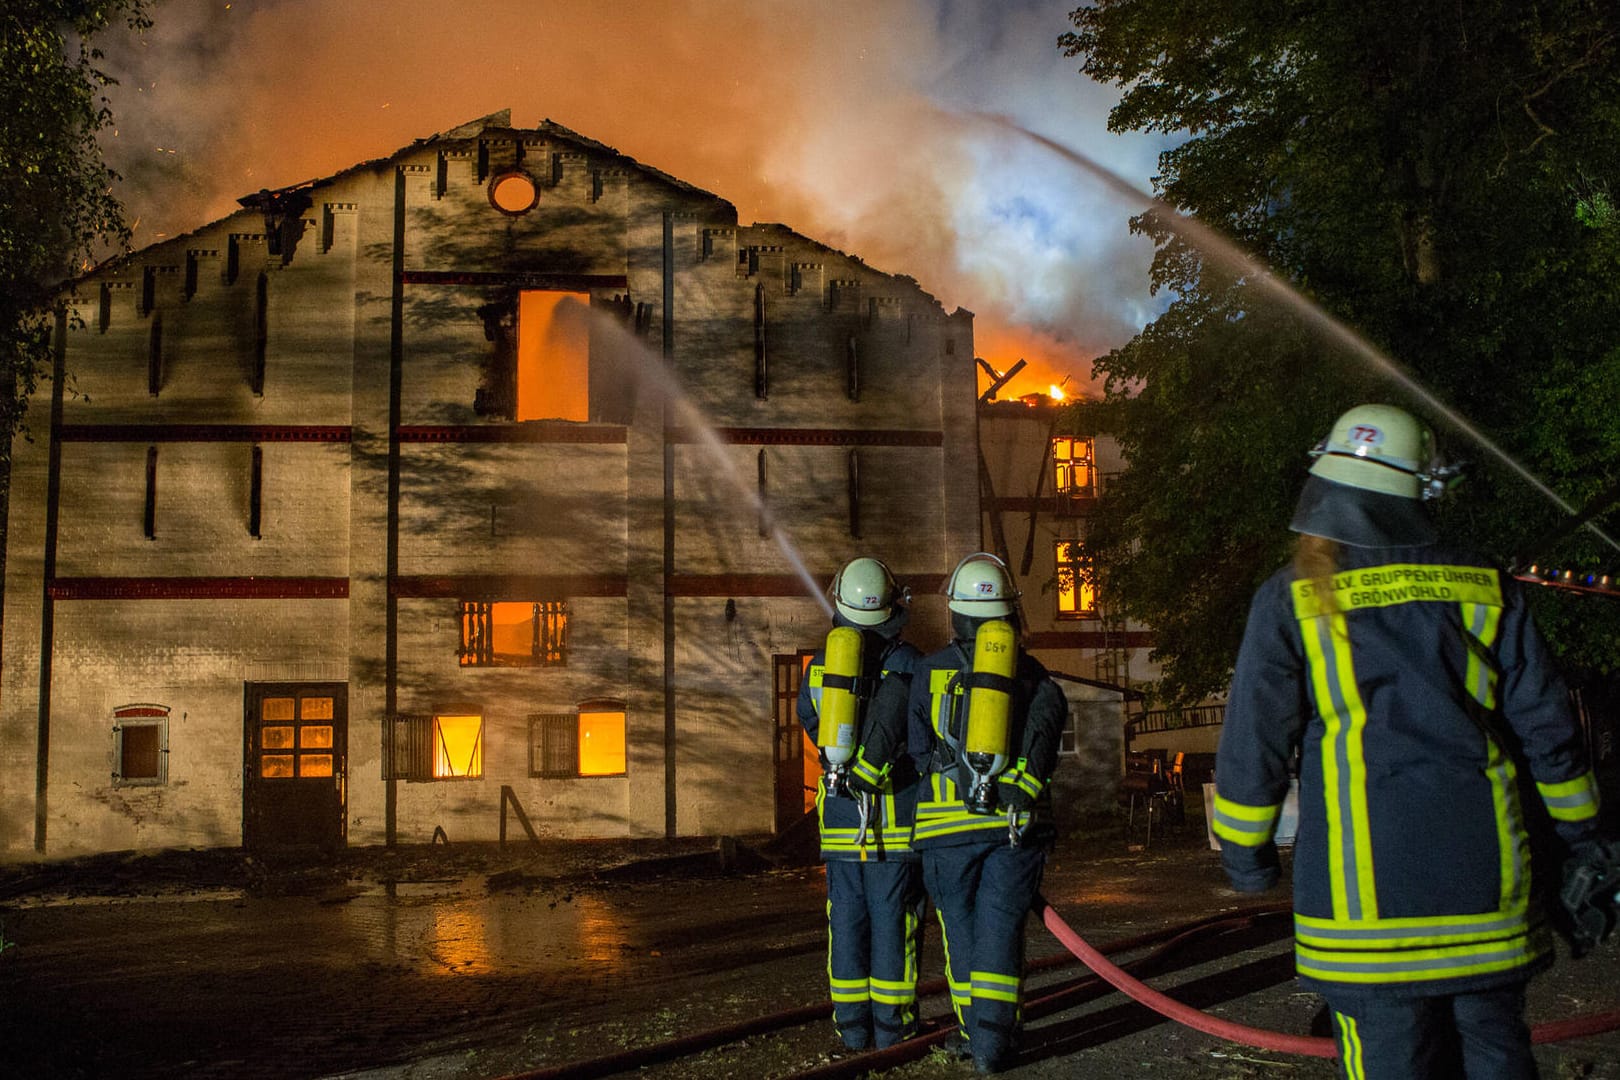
column 1378, row 448
column 981, row 587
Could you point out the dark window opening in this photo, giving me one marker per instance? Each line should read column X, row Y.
column 764, row 511
column 255, row 492
column 141, row 744
column 154, row 356
column 855, row 494
column 514, row 633
column 149, row 516
column 853, row 372
column 762, row 379
column 191, row 274
column 261, row 333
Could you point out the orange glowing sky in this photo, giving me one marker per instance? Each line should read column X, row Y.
column 845, row 120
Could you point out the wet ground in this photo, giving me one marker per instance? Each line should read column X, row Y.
column 469, row 963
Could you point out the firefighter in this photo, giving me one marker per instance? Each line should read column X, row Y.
column 865, row 804
column 985, row 721
column 1417, row 693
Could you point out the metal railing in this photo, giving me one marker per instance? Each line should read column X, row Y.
column 1174, row 719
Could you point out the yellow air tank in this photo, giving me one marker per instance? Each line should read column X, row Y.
column 984, row 743
column 839, row 715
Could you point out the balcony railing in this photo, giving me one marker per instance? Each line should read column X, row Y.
column 1191, row 716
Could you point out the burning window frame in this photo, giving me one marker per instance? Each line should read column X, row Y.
column 1066, row 462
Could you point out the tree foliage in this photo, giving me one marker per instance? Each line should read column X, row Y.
column 1436, row 176
column 57, row 210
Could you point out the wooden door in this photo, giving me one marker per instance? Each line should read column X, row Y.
column 295, row 758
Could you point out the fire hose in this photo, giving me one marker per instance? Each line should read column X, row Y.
column 1280, row 1042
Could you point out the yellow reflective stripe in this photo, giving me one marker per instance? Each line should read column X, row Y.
column 1412, row 932
column 893, row 992
column 1482, row 622
column 1512, row 839
column 1399, row 583
column 1571, row 800
column 1418, row 965
column 961, row 992
column 1350, row 1047
column 1344, row 765
column 1242, row 824
column 994, row 986
column 944, row 819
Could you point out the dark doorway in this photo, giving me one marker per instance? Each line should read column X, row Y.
column 295, row 757
column 797, row 767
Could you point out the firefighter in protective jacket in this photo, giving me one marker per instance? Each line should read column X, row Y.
column 1412, row 688
column 865, row 804
column 985, row 725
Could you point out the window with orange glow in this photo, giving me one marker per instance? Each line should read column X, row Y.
column 513, row 192
column 458, row 746
column 601, row 743
column 1076, row 590
column 553, row 356
column 514, row 633
column 589, row 742
column 1074, row 460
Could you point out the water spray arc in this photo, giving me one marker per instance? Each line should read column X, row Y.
column 1228, row 254
column 690, row 425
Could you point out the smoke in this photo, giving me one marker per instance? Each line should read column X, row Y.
column 844, row 120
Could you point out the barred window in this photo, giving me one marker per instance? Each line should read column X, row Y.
column 587, row 742
column 514, row 633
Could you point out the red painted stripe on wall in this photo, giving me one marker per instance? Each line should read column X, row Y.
column 204, row 433
column 815, row 437
column 198, row 588
column 509, row 586
column 532, row 431
column 557, row 282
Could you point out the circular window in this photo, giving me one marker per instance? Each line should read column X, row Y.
column 513, row 193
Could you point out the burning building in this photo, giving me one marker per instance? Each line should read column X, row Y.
column 492, row 481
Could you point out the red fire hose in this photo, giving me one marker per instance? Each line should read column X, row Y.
column 1281, row 1042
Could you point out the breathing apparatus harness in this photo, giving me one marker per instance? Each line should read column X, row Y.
column 846, row 691
column 975, row 735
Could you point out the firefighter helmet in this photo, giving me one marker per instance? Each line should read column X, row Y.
column 981, row 587
column 1378, row 448
column 864, row 592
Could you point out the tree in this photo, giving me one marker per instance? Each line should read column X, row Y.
column 1434, row 175
column 57, row 210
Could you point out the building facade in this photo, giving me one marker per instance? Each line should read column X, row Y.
column 490, row 485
